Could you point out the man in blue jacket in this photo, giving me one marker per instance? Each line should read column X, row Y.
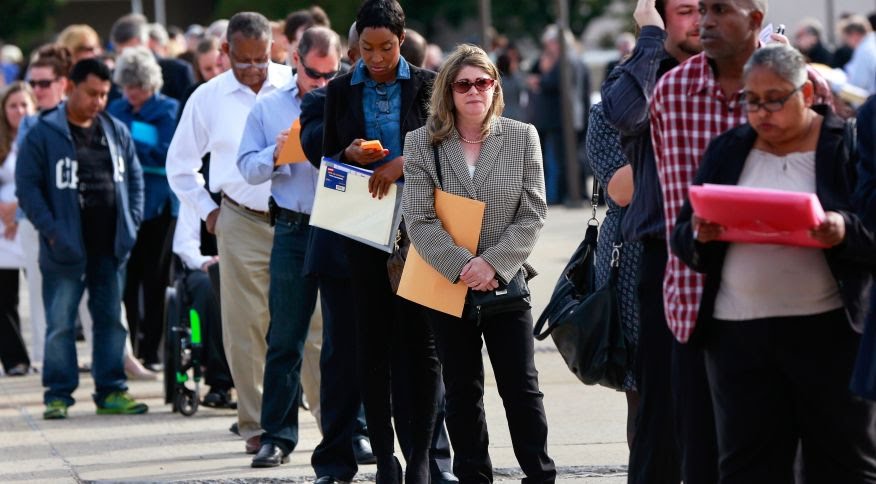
column 80, row 184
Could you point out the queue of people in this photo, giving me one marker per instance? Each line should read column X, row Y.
column 743, row 353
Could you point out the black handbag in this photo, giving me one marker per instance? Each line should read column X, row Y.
column 584, row 320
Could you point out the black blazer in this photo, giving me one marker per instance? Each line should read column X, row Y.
column 835, row 175
column 178, row 77
column 345, row 117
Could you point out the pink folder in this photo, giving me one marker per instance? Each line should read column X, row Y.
column 759, row 215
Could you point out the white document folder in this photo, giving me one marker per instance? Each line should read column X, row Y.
column 344, row 205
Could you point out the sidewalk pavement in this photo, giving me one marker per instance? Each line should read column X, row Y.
column 587, row 425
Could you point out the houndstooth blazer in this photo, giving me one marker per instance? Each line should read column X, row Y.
column 508, row 177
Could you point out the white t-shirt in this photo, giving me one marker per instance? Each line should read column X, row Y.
column 763, row 280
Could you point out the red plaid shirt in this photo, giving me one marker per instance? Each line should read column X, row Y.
column 688, row 110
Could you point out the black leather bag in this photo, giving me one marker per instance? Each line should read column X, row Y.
column 513, row 296
column 584, row 320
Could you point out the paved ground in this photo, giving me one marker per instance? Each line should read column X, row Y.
column 587, row 424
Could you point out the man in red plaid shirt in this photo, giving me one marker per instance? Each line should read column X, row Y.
column 693, row 104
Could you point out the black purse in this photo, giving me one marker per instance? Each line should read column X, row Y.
column 508, row 297
column 584, row 320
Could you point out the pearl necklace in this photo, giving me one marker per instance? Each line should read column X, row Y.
column 472, row 142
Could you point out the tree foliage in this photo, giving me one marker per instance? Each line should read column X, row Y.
column 26, row 21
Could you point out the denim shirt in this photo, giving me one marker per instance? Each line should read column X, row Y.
column 626, row 94
column 381, row 105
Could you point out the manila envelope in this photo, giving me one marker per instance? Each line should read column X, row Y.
column 292, row 151
column 421, row 283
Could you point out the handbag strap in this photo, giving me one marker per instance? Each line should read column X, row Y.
column 438, row 167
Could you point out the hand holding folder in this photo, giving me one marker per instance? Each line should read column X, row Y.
column 421, row 283
column 292, row 152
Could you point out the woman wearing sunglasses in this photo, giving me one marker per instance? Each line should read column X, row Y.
column 498, row 161
column 782, row 322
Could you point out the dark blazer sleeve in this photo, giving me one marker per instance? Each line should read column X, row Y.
column 334, row 139
column 865, row 191
column 312, row 111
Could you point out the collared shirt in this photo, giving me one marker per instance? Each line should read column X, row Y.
column 212, row 122
column 187, row 238
column 861, row 69
column 381, row 105
column 294, row 185
column 625, row 97
column 688, row 110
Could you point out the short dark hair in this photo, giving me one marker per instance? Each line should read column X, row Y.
column 129, row 27
column 55, row 56
column 251, row 25
column 660, row 5
column 82, row 69
column 414, row 48
column 296, row 20
column 378, row 14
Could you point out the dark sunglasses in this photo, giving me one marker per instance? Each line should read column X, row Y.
column 462, row 86
column 42, row 83
column 317, row 75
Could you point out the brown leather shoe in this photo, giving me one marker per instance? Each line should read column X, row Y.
column 253, row 444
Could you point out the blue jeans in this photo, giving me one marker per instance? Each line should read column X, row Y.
column 292, row 298
column 554, row 167
column 104, row 277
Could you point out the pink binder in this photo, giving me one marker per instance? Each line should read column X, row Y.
column 759, row 215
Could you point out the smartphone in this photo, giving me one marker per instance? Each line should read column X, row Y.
column 781, row 29
column 372, row 145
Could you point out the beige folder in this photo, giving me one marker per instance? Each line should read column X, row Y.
column 292, row 151
column 421, row 283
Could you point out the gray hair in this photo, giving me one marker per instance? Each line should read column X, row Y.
column 217, row 29
column 127, row 27
column 251, row 25
column 138, row 67
column 158, row 34
column 322, row 39
column 785, row 61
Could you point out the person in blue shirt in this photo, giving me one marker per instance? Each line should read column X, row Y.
column 80, row 184
column 292, row 291
column 151, row 118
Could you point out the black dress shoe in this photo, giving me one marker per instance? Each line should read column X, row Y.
column 234, row 429
column 270, row 455
column 444, row 478
column 329, row 480
column 362, row 451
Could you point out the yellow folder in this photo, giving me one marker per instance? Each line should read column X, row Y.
column 292, row 152
column 421, row 283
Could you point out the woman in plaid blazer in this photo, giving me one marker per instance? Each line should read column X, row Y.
column 497, row 161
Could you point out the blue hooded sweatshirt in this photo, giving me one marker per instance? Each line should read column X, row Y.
column 47, row 188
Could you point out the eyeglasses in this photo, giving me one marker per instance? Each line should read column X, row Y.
column 316, row 74
column 772, row 106
column 462, row 86
column 41, row 83
column 247, row 65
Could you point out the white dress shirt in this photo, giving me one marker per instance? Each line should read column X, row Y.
column 187, row 238
column 212, row 122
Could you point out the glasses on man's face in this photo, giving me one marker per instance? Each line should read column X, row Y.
column 462, row 86
column 316, row 74
column 41, row 83
column 258, row 64
column 771, row 106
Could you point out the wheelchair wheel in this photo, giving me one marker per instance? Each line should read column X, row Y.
column 186, row 402
column 172, row 345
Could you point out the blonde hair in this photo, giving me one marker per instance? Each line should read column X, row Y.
column 7, row 131
column 442, row 119
column 75, row 36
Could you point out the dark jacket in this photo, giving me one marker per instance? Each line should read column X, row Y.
column 865, row 193
column 160, row 112
column 835, row 175
column 48, row 193
column 178, row 77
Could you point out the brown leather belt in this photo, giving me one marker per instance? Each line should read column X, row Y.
column 258, row 213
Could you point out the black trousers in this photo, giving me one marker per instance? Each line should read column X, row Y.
column 148, row 272
column 12, row 349
column 380, row 314
column 780, row 381
column 203, row 299
column 510, row 345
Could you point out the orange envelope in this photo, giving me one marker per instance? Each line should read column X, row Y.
column 462, row 218
column 292, row 151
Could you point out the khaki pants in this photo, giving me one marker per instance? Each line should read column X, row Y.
column 245, row 242
column 310, row 376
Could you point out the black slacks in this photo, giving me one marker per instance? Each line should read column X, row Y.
column 379, row 314
column 12, row 349
column 780, row 381
column 511, row 348
column 203, row 299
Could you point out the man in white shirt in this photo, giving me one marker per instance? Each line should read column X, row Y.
column 212, row 122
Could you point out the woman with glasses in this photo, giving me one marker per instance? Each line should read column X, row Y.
column 497, row 161
column 151, row 117
column 783, row 322
column 16, row 102
column 383, row 98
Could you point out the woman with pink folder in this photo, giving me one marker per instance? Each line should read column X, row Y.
column 782, row 323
